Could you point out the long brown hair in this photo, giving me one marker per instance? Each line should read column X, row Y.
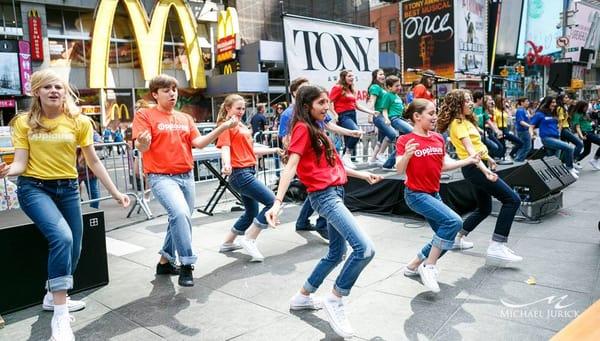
column 39, row 79
column 227, row 103
column 342, row 82
column 452, row 108
column 305, row 97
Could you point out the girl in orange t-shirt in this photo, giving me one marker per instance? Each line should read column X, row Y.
column 239, row 160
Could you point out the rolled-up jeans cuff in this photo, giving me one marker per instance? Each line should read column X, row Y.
column 189, row 260
column 499, row 238
column 260, row 225
column 343, row 292
column 309, row 287
column 237, row 232
column 442, row 244
column 62, row 283
column 166, row 255
column 421, row 256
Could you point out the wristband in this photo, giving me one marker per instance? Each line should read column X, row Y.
column 280, row 201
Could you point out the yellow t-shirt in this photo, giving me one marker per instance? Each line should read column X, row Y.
column 563, row 117
column 52, row 155
column 501, row 118
column 460, row 129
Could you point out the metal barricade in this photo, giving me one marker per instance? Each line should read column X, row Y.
column 269, row 166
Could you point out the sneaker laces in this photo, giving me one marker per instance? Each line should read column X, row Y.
column 338, row 310
column 64, row 322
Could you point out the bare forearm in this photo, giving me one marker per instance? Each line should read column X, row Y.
column 141, row 147
column 16, row 169
column 402, row 163
column 204, row 140
column 286, row 178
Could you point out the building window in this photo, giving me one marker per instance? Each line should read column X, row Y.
column 8, row 24
column 392, row 46
column 54, row 22
column 393, row 26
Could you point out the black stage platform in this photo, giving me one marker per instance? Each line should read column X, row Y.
column 387, row 197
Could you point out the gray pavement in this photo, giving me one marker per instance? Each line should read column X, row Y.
column 237, row 300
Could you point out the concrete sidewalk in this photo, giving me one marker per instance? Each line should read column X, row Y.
column 237, row 300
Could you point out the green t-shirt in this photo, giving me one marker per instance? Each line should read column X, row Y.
column 482, row 116
column 376, row 90
column 393, row 103
column 584, row 124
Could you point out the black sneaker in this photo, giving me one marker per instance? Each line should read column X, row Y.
column 167, row 269
column 185, row 276
column 309, row 227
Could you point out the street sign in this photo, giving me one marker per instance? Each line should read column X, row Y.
column 562, row 42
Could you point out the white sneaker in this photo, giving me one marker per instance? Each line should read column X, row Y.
column 408, row 272
column 574, row 173
column 61, row 328
column 73, row 305
column 337, row 317
column 381, row 158
column 249, row 246
column 227, row 247
column 347, row 161
column 302, row 302
column 428, row 273
column 462, row 244
column 577, row 165
column 500, row 252
column 595, row 164
column 376, row 163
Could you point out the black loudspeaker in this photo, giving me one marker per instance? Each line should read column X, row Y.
column 560, row 170
column 25, row 251
column 560, row 74
column 537, row 154
column 537, row 178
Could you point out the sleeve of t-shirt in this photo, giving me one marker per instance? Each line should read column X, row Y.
column 385, row 101
column 576, row 120
column 375, row 90
column 224, row 139
column 420, row 91
column 459, row 130
column 401, row 144
column 335, row 93
column 300, row 140
column 443, row 141
column 536, row 119
column 19, row 134
column 194, row 133
column 140, row 124
column 283, row 123
column 85, row 135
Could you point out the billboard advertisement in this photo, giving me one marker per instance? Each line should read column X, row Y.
column 428, row 37
column 539, row 21
column 10, row 80
column 586, row 35
column 319, row 50
column 470, row 36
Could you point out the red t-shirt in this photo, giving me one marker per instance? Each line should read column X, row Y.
column 315, row 174
column 342, row 101
column 425, row 166
column 420, row 91
column 171, row 145
column 241, row 146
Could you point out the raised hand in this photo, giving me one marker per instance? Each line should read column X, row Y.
column 232, row 122
column 410, row 147
column 145, row 138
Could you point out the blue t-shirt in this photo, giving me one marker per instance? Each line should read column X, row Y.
column 286, row 119
column 258, row 122
column 409, row 97
column 548, row 124
column 521, row 116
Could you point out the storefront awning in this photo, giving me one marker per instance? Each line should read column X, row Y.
column 389, row 60
column 237, row 82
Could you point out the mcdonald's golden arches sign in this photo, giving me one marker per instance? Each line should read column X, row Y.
column 228, row 35
column 118, row 111
column 149, row 37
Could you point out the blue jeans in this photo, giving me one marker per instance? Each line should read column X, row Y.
column 567, row 135
column 500, row 150
column 517, row 143
column 54, row 206
column 391, row 134
column 554, row 146
column 401, row 125
column 484, row 190
column 494, row 149
column 252, row 191
column 347, row 119
column 443, row 220
column 587, row 145
column 93, row 190
column 305, row 212
column 526, row 147
column 342, row 227
column 176, row 193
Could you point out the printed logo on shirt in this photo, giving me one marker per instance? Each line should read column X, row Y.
column 173, row 127
column 52, row 137
column 429, row 151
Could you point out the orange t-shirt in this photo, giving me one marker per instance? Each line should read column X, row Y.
column 240, row 143
column 171, row 145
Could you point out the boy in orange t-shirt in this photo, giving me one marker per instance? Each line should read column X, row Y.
column 166, row 137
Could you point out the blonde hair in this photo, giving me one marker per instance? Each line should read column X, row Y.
column 40, row 79
column 227, row 103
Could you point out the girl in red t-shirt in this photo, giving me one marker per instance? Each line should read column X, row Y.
column 238, row 157
column 312, row 156
column 421, row 156
column 344, row 105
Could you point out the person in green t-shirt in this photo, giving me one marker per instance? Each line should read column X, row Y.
column 583, row 126
column 374, row 102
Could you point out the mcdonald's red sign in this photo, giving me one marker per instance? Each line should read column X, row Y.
column 35, row 36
